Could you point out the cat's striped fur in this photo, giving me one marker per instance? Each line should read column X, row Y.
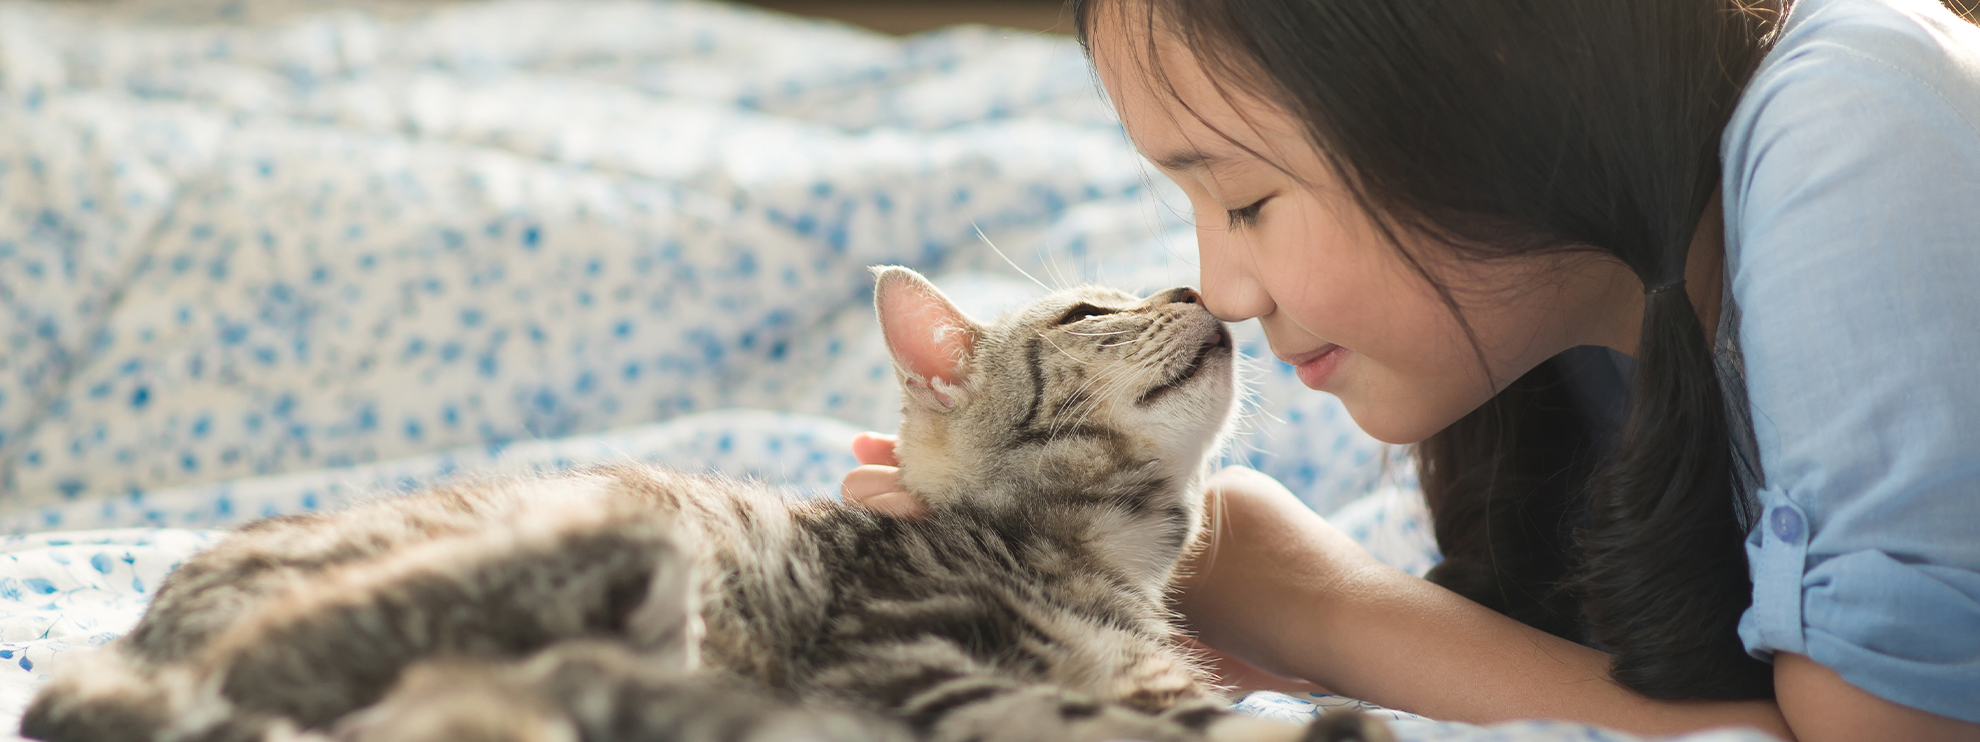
column 1060, row 450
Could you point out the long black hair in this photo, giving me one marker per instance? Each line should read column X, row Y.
column 1503, row 128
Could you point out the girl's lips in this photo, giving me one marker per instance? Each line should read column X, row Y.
column 1316, row 367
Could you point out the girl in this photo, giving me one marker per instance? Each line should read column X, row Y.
column 1675, row 299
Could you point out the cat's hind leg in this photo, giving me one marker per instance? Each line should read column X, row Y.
column 265, row 558
column 336, row 644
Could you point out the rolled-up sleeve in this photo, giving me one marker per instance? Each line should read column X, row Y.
column 1853, row 253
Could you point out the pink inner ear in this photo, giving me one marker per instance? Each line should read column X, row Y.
column 928, row 336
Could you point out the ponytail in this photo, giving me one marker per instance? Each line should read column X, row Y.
column 1664, row 575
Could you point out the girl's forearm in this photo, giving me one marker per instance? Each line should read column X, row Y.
column 1392, row 638
column 1308, row 602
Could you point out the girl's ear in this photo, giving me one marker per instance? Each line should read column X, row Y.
column 932, row 341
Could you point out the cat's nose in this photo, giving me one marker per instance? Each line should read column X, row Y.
column 1180, row 295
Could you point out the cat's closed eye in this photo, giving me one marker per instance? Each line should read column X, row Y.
column 1082, row 311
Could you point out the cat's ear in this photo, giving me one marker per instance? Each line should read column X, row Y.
column 933, row 342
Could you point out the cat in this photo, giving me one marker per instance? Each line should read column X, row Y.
column 1061, row 451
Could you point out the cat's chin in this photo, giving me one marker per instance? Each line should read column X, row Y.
column 1216, row 347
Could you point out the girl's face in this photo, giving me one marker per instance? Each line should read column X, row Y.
column 1281, row 240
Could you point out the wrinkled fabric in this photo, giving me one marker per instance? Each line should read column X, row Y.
column 240, row 240
column 1853, row 242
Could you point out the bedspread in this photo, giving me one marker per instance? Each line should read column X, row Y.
column 267, row 257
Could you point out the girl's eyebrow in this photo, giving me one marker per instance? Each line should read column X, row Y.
column 1190, row 159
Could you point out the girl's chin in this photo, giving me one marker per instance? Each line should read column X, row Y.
column 1383, row 424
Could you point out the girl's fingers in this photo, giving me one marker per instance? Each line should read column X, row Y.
column 877, row 485
column 878, row 488
column 1243, row 677
column 897, row 504
column 875, row 448
column 870, row 480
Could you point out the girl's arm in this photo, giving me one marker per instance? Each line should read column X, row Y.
column 1282, row 589
column 1820, row 706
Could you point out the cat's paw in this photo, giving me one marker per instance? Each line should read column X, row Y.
column 1346, row 725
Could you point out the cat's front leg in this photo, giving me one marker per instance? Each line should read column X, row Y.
column 999, row 711
column 942, row 695
column 596, row 691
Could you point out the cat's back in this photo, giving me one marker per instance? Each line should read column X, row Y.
column 849, row 592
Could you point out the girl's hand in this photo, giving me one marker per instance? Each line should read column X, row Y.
column 877, row 484
column 1242, row 678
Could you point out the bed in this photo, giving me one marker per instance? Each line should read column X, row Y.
column 268, row 257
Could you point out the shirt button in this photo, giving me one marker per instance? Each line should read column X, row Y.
column 1787, row 524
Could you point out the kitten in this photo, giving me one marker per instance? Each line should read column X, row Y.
column 1061, row 451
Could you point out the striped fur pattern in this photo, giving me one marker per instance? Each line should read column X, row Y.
column 1061, row 451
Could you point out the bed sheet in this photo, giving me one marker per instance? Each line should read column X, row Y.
column 237, row 243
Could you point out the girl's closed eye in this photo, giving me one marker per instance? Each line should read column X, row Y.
column 1246, row 216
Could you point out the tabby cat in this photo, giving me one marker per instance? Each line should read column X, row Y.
column 1061, row 451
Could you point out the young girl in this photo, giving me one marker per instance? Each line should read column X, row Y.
column 1677, row 299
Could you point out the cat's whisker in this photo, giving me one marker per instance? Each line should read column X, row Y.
column 1098, row 334
column 1110, row 383
column 1105, row 379
column 1007, row 259
column 1214, row 536
column 1062, row 351
column 1077, row 277
column 1107, row 382
column 1139, row 335
column 1058, row 277
column 1249, row 372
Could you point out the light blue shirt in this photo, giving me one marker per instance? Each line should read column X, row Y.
column 1852, row 201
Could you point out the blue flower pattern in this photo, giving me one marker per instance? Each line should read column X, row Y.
column 264, row 257
column 75, row 590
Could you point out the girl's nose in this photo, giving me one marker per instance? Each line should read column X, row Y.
column 1232, row 295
